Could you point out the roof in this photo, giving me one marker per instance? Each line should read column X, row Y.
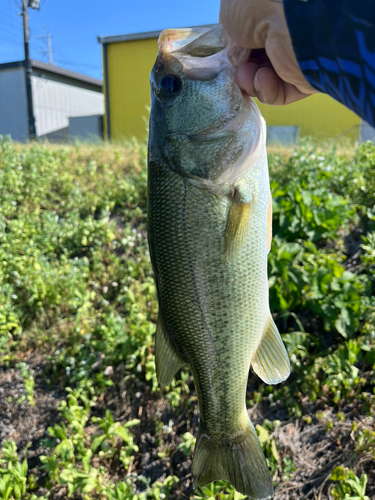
column 51, row 68
column 139, row 36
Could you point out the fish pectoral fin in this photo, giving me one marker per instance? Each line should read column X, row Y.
column 270, row 361
column 237, row 227
column 166, row 359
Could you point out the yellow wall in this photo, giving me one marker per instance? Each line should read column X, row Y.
column 129, row 66
column 318, row 116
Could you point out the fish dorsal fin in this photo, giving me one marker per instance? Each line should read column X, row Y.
column 166, row 359
column 269, row 224
column 270, row 361
column 237, row 227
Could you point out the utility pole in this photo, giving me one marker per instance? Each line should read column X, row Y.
column 28, row 71
column 49, row 45
column 47, row 37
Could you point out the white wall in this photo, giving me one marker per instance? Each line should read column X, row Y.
column 367, row 133
column 55, row 102
column 13, row 107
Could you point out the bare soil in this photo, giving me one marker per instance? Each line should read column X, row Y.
column 314, row 450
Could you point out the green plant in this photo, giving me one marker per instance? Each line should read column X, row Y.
column 161, row 490
column 82, row 481
column 76, row 287
column 28, row 380
column 268, row 443
column 124, row 490
column 111, row 431
column 13, row 473
column 349, row 487
column 220, row 490
column 188, row 443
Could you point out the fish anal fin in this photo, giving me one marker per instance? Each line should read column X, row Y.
column 237, row 227
column 241, row 462
column 167, row 360
column 270, row 361
column 269, row 224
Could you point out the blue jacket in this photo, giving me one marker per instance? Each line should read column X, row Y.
column 334, row 41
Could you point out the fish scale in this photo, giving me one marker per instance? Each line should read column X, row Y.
column 209, row 241
column 196, row 289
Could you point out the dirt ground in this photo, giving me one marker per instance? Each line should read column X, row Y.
column 314, row 451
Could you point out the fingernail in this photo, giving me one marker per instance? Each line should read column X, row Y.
column 256, row 83
column 258, row 89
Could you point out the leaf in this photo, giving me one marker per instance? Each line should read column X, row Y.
column 263, row 435
column 274, row 451
column 338, row 474
column 24, row 468
column 135, row 421
column 97, row 442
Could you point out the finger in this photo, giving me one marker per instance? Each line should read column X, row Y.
column 271, row 89
column 245, row 78
column 266, row 85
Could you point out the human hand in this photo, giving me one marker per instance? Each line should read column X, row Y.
column 272, row 73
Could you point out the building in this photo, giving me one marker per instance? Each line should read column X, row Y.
column 59, row 98
column 127, row 62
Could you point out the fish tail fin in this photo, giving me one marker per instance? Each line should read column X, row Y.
column 241, row 462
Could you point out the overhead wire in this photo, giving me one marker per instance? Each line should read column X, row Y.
column 64, row 59
column 9, row 35
column 6, row 30
column 77, row 64
column 13, row 16
column 9, row 26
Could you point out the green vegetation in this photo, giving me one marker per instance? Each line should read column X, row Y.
column 77, row 318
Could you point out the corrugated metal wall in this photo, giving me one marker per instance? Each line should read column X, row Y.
column 55, row 102
column 13, row 107
column 129, row 66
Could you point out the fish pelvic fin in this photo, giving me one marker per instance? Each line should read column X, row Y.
column 240, row 462
column 270, row 361
column 237, row 227
column 167, row 360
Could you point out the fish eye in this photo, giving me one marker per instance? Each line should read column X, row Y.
column 169, row 86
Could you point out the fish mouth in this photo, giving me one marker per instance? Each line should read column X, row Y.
column 202, row 52
column 172, row 40
column 195, row 42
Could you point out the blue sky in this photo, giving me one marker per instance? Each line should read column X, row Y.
column 75, row 25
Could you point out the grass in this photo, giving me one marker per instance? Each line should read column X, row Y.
column 77, row 318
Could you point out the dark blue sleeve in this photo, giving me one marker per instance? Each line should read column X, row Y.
column 334, row 41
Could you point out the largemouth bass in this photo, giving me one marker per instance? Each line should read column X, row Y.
column 209, row 229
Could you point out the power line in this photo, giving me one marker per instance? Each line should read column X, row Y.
column 9, row 23
column 64, row 59
column 11, row 36
column 6, row 17
column 77, row 64
column 12, row 15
